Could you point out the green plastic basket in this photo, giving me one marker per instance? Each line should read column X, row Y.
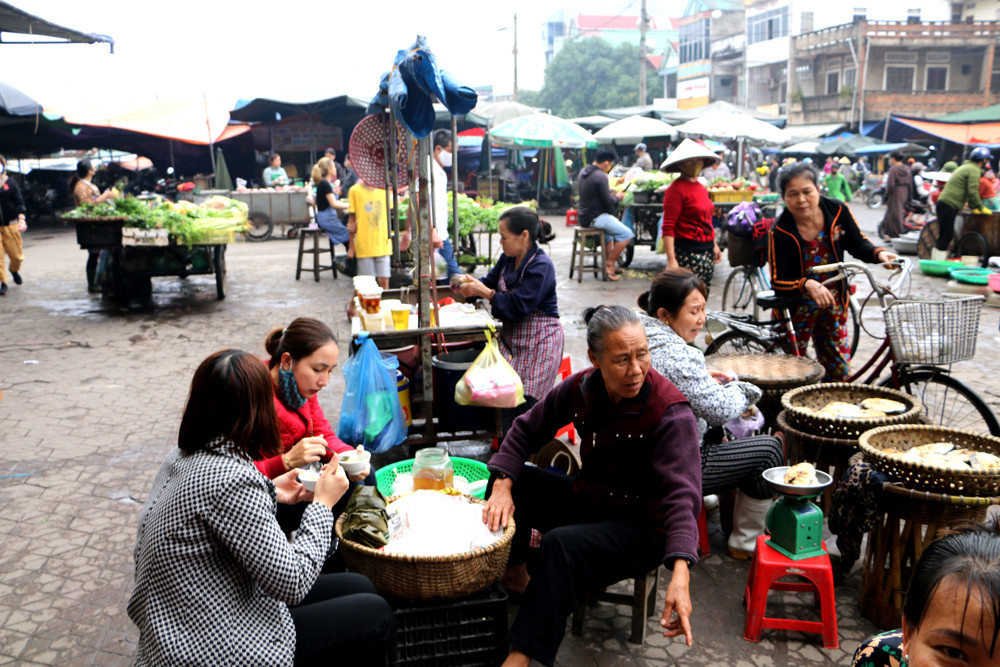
column 934, row 267
column 470, row 469
column 972, row 276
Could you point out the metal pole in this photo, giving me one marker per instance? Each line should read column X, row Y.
column 393, row 178
column 863, row 82
column 386, row 142
column 515, row 57
column 454, row 186
column 857, row 73
column 642, row 54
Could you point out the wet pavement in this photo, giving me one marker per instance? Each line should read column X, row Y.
column 91, row 399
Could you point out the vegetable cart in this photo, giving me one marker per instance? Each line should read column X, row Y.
column 128, row 262
column 285, row 207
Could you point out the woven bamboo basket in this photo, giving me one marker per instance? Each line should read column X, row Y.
column 773, row 373
column 799, row 404
column 925, row 477
column 429, row 577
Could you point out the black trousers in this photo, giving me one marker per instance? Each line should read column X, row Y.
column 946, row 224
column 343, row 621
column 738, row 464
column 585, row 548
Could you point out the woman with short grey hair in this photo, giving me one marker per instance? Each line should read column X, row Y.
column 633, row 505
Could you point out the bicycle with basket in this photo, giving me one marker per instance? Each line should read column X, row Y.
column 922, row 340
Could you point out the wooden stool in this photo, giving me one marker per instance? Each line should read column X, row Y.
column 316, row 252
column 767, row 567
column 908, row 522
column 587, row 243
column 642, row 601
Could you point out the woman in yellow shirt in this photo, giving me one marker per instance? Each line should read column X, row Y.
column 368, row 223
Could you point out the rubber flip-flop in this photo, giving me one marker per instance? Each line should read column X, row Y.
column 614, row 278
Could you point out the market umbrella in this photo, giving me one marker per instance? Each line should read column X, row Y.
column 541, row 130
column 16, row 103
column 722, row 124
column 500, row 112
column 223, row 181
column 634, row 129
column 804, row 147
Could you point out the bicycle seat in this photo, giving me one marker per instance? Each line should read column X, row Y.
column 767, row 299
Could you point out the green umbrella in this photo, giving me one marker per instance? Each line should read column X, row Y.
column 541, row 130
column 223, row 181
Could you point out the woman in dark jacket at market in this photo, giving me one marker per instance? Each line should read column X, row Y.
column 521, row 289
column 633, row 506
column 812, row 231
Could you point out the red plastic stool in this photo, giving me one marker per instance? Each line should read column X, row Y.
column 571, row 218
column 703, row 547
column 767, row 567
column 565, row 370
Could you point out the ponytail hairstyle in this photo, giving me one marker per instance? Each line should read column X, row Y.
column 300, row 339
column 669, row 290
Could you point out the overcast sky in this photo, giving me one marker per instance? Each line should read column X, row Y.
column 295, row 51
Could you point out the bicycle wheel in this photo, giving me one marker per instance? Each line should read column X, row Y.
column 740, row 293
column 947, row 401
column 734, row 341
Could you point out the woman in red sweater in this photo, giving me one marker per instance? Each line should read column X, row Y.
column 688, row 234
column 302, row 358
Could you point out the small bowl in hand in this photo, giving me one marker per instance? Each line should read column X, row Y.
column 354, row 462
column 310, row 475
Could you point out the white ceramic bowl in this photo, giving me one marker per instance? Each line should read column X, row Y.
column 308, row 479
column 355, row 462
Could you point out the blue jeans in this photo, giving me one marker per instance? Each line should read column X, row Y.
column 448, row 252
column 614, row 230
column 329, row 222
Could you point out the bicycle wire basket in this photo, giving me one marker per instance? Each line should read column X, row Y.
column 933, row 332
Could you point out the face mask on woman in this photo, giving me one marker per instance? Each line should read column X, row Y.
column 444, row 157
column 691, row 168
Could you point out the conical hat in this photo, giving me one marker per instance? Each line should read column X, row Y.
column 844, row 160
column 687, row 150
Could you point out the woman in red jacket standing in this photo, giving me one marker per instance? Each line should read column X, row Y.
column 688, row 234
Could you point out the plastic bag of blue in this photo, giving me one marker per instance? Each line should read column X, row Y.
column 370, row 414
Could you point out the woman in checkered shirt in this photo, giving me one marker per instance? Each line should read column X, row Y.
column 216, row 580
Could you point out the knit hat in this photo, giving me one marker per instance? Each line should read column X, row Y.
column 689, row 150
column 949, row 166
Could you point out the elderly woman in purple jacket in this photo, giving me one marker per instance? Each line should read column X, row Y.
column 633, row 505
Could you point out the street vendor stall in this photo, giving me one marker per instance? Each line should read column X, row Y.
column 139, row 240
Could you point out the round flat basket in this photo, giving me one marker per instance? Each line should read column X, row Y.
column 768, row 371
column 800, row 406
column 929, row 477
column 428, row 577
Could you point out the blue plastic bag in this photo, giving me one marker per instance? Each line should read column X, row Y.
column 371, row 414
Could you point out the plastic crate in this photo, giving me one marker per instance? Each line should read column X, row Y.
column 471, row 632
column 470, row 469
column 728, row 196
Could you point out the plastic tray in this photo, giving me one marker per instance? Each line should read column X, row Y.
column 470, row 469
column 934, row 267
column 972, row 275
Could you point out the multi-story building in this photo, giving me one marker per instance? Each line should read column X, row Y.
column 569, row 25
column 867, row 69
column 710, row 44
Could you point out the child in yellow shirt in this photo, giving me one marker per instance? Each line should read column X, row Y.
column 368, row 223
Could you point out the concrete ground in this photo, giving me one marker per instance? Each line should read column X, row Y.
column 91, row 399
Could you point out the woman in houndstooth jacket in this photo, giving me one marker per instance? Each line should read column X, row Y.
column 216, row 580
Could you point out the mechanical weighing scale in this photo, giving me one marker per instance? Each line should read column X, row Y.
column 794, row 522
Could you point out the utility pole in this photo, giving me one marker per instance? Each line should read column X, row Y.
column 515, row 56
column 642, row 54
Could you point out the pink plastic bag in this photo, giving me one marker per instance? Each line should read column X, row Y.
column 490, row 381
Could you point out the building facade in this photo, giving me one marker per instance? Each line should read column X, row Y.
column 867, row 69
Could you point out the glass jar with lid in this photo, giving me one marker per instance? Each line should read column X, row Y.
column 432, row 469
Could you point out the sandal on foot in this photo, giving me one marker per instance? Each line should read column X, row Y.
column 17, row 277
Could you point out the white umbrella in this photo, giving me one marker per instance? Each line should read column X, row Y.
column 728, row 125
column 634, row 129
column 801, row 147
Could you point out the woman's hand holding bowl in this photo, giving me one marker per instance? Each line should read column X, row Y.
column 306, row 451
column 289, row 490
column 331, row 485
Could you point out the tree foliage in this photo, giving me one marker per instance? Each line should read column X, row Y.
column 588, row 75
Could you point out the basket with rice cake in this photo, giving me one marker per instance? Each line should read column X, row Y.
column 936, row 458
column 840, row 410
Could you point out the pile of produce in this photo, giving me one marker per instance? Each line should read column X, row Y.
column 646, row 181
column 722, row 184
column 188, row 223
column 479, row 214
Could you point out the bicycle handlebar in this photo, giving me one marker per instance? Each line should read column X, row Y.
column 904, row 264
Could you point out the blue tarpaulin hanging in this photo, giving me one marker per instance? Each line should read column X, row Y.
column 413, row 84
